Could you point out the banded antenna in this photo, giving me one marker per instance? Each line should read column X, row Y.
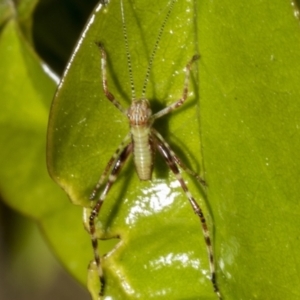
column 161, row 30
column 127, row 51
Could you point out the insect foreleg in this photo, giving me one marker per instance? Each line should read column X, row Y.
column 107, row 93
column 96, row 210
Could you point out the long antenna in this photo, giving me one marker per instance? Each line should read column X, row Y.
column 127, row 51
column 156, row 46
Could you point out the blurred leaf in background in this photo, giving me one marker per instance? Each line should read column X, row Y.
column 26, row 92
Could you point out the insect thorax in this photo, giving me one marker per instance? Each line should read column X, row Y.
column 139, row 113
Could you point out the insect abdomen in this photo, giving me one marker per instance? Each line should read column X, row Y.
column 142, row 152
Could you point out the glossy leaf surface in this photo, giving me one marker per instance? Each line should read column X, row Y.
column 160, row 237
column 248, row 93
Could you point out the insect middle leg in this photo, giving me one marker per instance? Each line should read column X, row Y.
column 179, row 161
column 170, row 159
column 111, row 162
column 96, row 210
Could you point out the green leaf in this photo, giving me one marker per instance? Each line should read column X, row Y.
column 161, row 252
column 25, row 10
column 6, row 11
column 26, row 92
column 250, row 128
column 248, row 92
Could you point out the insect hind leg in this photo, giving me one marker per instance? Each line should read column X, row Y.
column 178, row 160
column 96, row 210
column 171, row 160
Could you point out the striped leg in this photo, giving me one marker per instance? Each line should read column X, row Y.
column 111, row 162
column 107, row 93
column 178, row 160
column 179, row 102
column 119, row 162
column 166, row 152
